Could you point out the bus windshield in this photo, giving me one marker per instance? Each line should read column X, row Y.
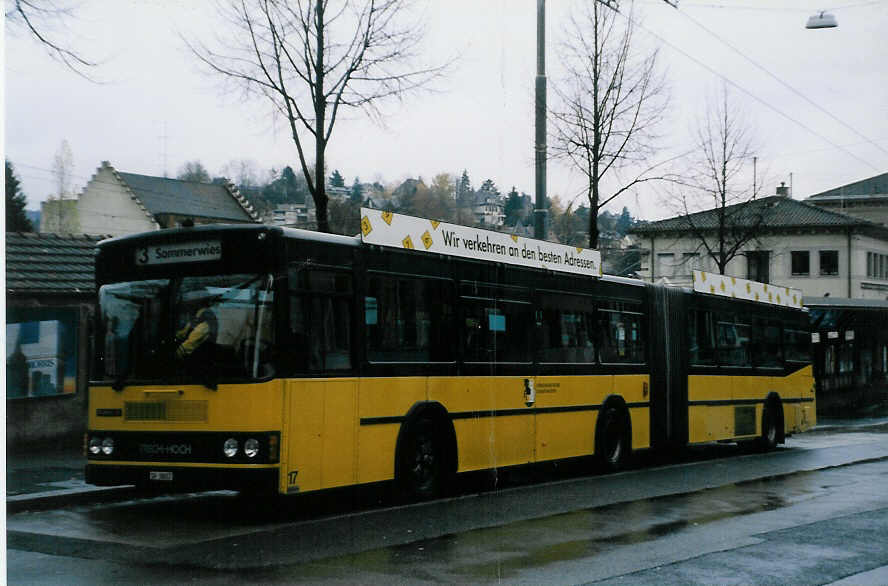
column 198, row 329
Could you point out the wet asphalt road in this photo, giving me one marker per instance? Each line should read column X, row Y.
column 813, row 512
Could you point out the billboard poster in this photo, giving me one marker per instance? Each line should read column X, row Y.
column 41, row 352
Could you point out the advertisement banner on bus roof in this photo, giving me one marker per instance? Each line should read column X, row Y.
column 399, row 231
column 727, row 286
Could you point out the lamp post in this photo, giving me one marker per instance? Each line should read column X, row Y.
column 539, row 212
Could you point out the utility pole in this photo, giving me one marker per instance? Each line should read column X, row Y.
column 754, row 162
column 539, row 212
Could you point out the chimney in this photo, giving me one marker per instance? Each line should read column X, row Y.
column 782, row 189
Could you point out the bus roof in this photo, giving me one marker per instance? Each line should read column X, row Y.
column 202, row 230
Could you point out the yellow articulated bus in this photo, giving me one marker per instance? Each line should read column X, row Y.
column 261, row 358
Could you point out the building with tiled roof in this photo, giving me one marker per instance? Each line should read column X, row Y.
column 50, row 301
column 49, row 264
column 795, row 244
column 119, row 203
column 866, row 199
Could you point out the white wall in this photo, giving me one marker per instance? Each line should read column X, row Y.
column 106, row 207
column 780, row 247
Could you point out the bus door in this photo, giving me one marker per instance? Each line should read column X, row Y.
column 668, row 360
column 497, row 328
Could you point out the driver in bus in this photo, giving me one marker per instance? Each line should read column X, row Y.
column 199, row 334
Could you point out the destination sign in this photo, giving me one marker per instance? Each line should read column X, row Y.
column 400, row 231
column 179, row 253
column 727, row 286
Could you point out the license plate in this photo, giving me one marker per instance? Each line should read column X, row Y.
column 155, row 475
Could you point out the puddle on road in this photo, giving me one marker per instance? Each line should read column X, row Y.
column 505, row 552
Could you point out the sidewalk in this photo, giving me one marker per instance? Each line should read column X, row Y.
column 48, row 478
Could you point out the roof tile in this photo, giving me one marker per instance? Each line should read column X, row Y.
column 775, row 212
column 50, row 263
column 161, row 195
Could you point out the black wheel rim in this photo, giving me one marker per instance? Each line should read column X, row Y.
column 424, row 462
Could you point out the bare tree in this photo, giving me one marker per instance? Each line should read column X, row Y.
column 243, row 172
column 611, row 102
column 311, row 60
column 63, row 169
column 60, row 212
column 725, row 150
column 193, row 171
column 38, row 17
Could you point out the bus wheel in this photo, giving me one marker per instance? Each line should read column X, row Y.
column 768, row 440
column 613, row 439
column 422, row 466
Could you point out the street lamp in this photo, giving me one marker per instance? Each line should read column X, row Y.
column 822, row 20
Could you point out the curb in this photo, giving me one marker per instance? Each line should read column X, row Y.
column 38, row 501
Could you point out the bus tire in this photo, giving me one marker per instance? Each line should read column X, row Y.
column 770, row 427
column 421, row 471
column 613, row 444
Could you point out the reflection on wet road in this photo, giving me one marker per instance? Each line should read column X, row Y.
column 506, row 553
column 630, row 527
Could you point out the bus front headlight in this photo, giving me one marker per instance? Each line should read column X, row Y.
column 229, row 448
column 95, row 446
column 107, row 446
column 251, row 448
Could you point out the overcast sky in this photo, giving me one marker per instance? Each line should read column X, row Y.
column 156, row 109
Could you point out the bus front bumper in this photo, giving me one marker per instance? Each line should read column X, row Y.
column 179, row 478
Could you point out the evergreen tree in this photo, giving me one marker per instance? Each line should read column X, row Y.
column 583, row 214
column 357, row 192
column 465, row 200
column 463, row 186
column 624, row 222
column 489, row 187
column 288, row 188
column 16, row 219
column 515, row 207
column 336, row 179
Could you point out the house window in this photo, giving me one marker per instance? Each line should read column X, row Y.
column 801, row 263
column 870, row 257
column 690, row 261
column 829, row 262
column 757, row 265
column 665, row 264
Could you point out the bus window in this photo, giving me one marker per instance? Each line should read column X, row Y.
column 622, row 334
column 701, row 338
column 206, row 327
column 320, row 319
column 797, row 344
column 408, row 320
column 766, row 343
column 567, row 329
column 497, row 323
column 733, row 341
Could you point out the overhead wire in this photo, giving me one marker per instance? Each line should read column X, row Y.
column 745, row 91
column 781, row 81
